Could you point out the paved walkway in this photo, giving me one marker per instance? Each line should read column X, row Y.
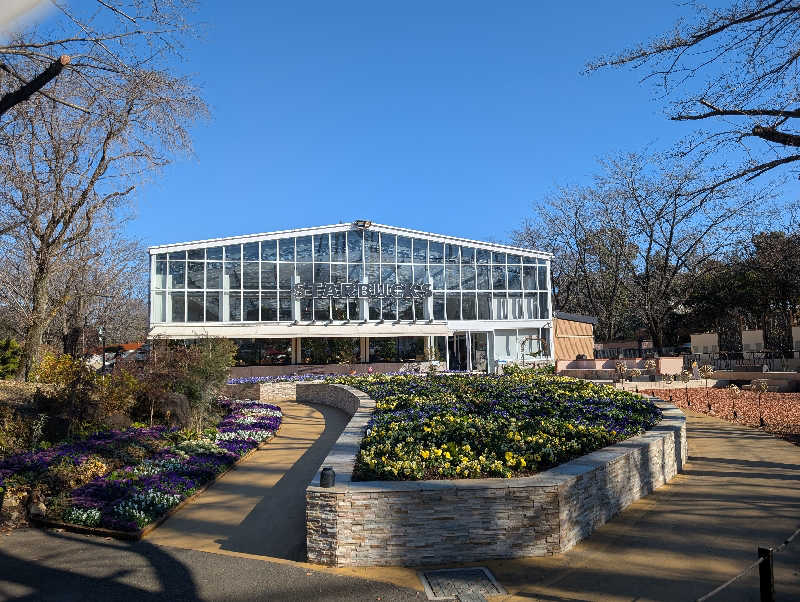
column 740, row 489
column 259, row 508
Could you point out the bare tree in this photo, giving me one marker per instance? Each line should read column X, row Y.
column 104, row 42
column 735, row 71
column 63, row 171
column 639, row 238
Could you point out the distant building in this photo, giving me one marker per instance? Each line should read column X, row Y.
column 353, row 294
column 707, row 342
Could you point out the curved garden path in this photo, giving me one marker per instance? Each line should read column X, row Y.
column 259, row 508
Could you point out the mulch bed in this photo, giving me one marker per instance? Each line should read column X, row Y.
column 780, row 411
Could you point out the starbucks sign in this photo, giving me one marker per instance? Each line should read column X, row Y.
column 359, row 290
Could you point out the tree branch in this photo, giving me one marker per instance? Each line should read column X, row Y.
column 27, row 90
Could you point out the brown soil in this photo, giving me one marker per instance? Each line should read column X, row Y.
column 780, row 412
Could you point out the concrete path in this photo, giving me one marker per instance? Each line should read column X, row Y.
column 259, row 508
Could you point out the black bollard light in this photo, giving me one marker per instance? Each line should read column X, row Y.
column 327, row 478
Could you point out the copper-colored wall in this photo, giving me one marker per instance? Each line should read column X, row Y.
column 572, row 339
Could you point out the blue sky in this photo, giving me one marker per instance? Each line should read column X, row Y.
column 452, row 117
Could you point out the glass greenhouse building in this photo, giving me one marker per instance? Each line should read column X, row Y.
column 354, row 294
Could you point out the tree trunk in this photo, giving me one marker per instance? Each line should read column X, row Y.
column 39, row 319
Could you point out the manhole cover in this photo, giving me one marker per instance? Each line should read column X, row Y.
column 475, row 583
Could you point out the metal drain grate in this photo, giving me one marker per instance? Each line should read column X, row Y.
column 473, row 583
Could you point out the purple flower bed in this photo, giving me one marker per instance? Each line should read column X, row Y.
column 138, row 493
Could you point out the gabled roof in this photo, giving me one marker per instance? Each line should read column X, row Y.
column 345, row 227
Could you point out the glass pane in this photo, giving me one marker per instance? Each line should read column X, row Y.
column 214, row 253
column 161, row 275
column 177, row 255
column 529, row 260
column 251, row 275
column 529, row 279
column 484, row 278
column 453, row 277
column 269, row 275
column 419, row 309
column 250, row 251
column 322, row 249
column 383, row 349
column 233, row 275
column 389, row 308
column 514, row 277
column 467, row 255
column 322, row 272
column 304, row 248
column 420, row 251
column 177, row 309
column 338, row 273
column 269, row 250
column 544, row 308
column 194, row 307
column 234, row 307
column 498, row 277
column 500, row 309
column 515, row 306
column 437, row 274
column 214, row 274
column 306, row 309
column 159, row 307
column 453, row 306
column 269, row 307
column 388, row 274
column 161, row 257
column 339, row 246
column 483, row 256
column 177, row 274
column 212, row 306
column 403, row 249
column 285, row 275
column 420, row 274
column 405, row 274
column 542, row 277
column 514, row 259
column 468, row 306
column 438, row 306
column 372, row 246
column 498, row 258
column 373, row 272
column 250, row 307
column 197, row 254
column 451, row 253
column 286, row 249
column 340, row 309
column 388, row 248
column 355, row 240
column 374, row 309
column 352, row 309
column 233, row 252
column 532, row 306
column 322, row 309
column 484, row 306
column 436, row 251
column 196, row 274
column 305, row 273
column 354, row 273
column 468, row 277
column 285, row 300
column 405, row 309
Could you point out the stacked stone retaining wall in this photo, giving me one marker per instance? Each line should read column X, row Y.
column 435, row 522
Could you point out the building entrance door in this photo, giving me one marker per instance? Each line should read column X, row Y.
column 457, row 351
column 479, row 347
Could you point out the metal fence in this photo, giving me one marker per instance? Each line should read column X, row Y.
column 766, row 574
column 744, row 361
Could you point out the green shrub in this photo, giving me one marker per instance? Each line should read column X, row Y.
column 10, row 352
